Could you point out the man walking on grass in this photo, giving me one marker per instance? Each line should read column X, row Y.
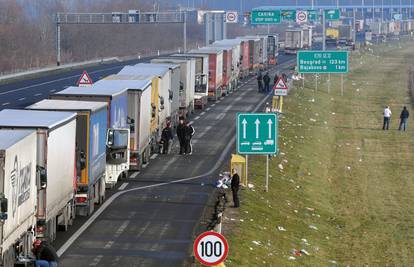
column 387, row 117
column 403, row 119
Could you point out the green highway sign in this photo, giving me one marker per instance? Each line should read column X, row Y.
column 322, row 61
column 288, row 15
column 313, row 15
column 257, row 133
column 265, row 17
column 332, row 14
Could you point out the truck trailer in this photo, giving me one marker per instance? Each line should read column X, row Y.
column 55, row 157
column 117, row 135
column 18, row 194
column 293, row 40
column 201, row 78
column 90, row 149
column 187, row 81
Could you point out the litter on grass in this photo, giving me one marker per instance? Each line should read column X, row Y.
column 257, row 243
column 280, row 166
column 311, row 226
column 281, row 228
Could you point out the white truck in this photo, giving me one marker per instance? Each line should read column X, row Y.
column 307, row 37
column 187, row 81
column 56, row 133
column 18, row 194
column 91, row 129
column 293, row 40
column 139, row 117
column 345, row 35
column 201, row 80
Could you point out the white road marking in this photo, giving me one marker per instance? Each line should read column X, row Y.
column 96, row 260
column 21, row 99
column 213, row 104
column 123, row 186
column 109, row 201
column 202, row 113
column 53, row 90
column 154, row 156
column 57, row 80
column 133, row 176
column 109, row 244
column 191, row 122
column 39, row 94
column 207, row 109
column 220, row 116
column 144, row 165
column 196, row 118
column 5, row 104
column 121, row 229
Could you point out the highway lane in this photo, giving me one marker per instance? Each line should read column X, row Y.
column 23, row 93
column 153, row 222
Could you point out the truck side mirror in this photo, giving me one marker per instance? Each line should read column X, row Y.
column 3, row 207
column 161, row 102
column 82, row 160
column 42, row 176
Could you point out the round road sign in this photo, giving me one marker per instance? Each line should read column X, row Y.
column 210, row 248
column 231, row 17
column 301, row 16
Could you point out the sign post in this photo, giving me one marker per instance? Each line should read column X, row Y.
column 265, row 17
column 257, row 135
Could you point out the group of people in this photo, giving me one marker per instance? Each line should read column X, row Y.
column 263, row 81
column 403, row 118
column 185, row 132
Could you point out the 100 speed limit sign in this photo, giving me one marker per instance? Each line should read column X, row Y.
column 211, row 248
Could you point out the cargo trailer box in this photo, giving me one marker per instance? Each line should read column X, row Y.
column 90, row 159
column 187, row 81
column 254, row 51
column 139, row 117
column 293, row 40
column 215, row 74
column 307, row 38
column 345, row 32
column 174, row 87
column 117, row 135
column 18, row 188
column 202, row 78
column 235, row 45
column 55, row 157
column 165, row 111
column 272, row 48
column 263, row 56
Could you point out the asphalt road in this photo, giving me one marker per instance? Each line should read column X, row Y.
column 23, row 93
column 150, row 219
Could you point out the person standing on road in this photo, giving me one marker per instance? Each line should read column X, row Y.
column 45, row 254
column 166, row 138
column 276, row 79
column 235, row 186
column 266, row 80
column 260, row 81
column 403, row 119
column 387, row 117
column 181, row 135
column 189, row 132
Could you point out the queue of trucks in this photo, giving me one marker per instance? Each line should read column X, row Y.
column 59, row 156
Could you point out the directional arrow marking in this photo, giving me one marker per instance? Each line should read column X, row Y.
column 269, row 123
column 257, row 122
column 244, row 122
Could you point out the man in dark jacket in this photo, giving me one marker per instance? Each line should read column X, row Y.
column 235, row 185
column 166, row 137
column 45, row 254
column 181, row 136
column 189, row 132
column 260, row 81
column 276, row 79
column 403, row 119
column 266, row 80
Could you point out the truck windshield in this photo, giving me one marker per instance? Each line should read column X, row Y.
column 120, row 138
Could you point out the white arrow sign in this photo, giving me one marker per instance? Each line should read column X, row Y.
column 257, row 122
column 244, row 122
column 269, row 122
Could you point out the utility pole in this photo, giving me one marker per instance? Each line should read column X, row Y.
column 324, row 31
column 382, row 10
column 58, row 56
column 185, row 32
column 354, row 25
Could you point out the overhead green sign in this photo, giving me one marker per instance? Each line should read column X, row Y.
column 257, row 133
column 322, row 61
column 332, row 14
column 313, row 15
column 265, row 17
column 289, row 15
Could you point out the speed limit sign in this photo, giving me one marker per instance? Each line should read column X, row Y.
column 231, row 17
column 210, row 248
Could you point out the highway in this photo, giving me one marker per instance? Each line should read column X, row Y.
column 151, row 219
column 23, row 93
